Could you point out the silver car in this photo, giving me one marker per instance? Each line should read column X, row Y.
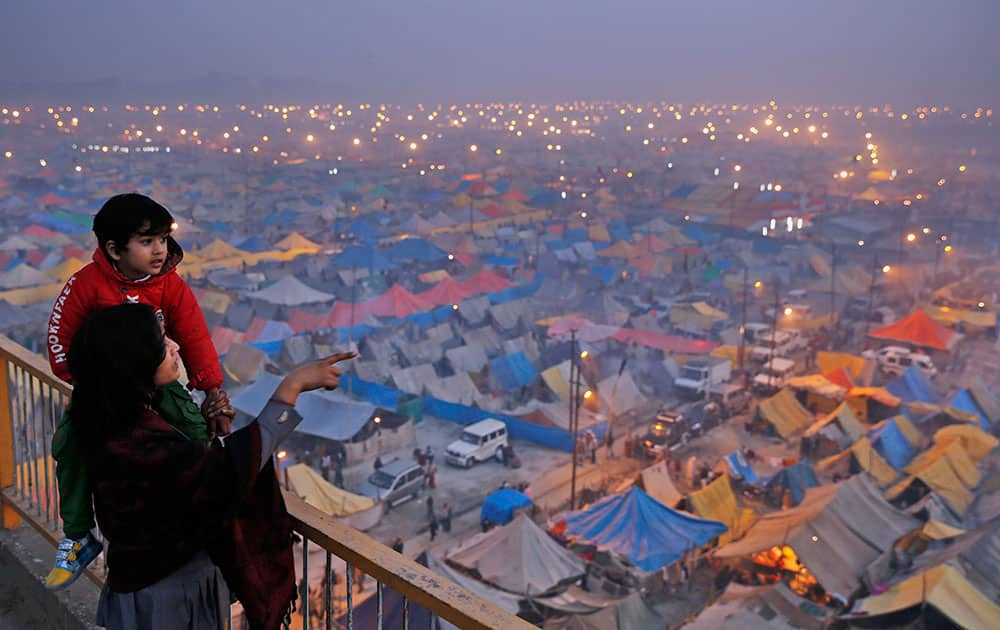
column 397, row 481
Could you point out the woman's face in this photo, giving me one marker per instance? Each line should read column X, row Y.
column 169, row 369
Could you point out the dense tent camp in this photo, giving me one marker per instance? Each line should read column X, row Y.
column 518, row 557
column 760, row 608
column 562, row 270
column 630, row 612
column 633, row 524
column 835, row 532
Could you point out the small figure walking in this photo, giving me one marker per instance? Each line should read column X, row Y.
column 434, row 529
column 609, row 441
column 446, row 518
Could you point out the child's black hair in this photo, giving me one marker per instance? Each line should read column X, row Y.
column 124, row 216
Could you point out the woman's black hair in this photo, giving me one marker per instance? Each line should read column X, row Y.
column 113, row 361
column 126, row 215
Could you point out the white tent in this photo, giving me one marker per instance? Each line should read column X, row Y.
column 23, row 276
column 518, row 557
column 290, row 291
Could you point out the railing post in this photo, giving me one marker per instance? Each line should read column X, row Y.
column 10, row 518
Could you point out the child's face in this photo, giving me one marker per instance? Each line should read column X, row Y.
column 143, row 255
column 170, row 368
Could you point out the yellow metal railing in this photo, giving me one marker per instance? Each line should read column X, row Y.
column 32, row 400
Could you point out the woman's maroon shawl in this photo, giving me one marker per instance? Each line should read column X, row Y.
column 161, row 498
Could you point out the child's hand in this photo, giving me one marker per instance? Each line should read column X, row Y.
column 218, row 411
column 310, row 376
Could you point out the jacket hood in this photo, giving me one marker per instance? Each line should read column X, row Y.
column 174, row 257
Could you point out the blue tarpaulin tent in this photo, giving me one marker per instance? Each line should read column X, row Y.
column 740, row 468
column 963, row 401
column 796, row 479
column 362, row 257
column 500, row 506
column 513, row 371
column 891, row 444
column 911, row 386
column 639, row 527
column 683, row 192
column 418, row 249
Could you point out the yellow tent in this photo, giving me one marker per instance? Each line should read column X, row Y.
column 32, row 295
column 65, row 269
column 557, row 378
column 944, row 588
column 976, row 442
column 708, row 311
column 323, row 495
column 296, row 241
column 785, row 413
column 728, row 352
column 717, row 502
column 215, row 301
column 947, row 471
column 621, row 249
column 950, row 316
column 830, row 361
column 866, row 457
column 936, row 530
column 218, row 249
column 598, row 233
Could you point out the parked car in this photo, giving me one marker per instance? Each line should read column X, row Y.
column 894, row 360
column 667, row 433
column 774, row 375
column 731, row 399
column 399, row 480
column 478, row 443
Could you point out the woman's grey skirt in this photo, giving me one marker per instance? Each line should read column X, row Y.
column 194, row 597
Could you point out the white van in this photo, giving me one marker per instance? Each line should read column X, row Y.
column 479, row 442
column 893, row 360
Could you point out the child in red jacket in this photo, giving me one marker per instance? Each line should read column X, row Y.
column 135, row 262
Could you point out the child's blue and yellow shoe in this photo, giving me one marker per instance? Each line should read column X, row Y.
column 72, row 557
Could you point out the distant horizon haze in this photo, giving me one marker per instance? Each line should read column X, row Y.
column 904, row 53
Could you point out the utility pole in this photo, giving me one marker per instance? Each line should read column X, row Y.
column 833, row 296
column 871, row 295
column 573, row 412
column 774, row 333
column 743, row 315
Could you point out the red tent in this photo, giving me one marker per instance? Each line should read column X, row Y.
column 666, row 343
column 445, row 292
column 917, row 329
column 53, row 199
column 514, row 195
column 39, row 231
column 397, row 302
column 839, row 377
column 304, row 321
column 485, row 281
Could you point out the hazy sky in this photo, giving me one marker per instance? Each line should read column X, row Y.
column 807, row 51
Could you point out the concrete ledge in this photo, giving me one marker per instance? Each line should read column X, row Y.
column 25, row 558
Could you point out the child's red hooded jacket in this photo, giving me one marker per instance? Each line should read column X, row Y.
column 100, row 285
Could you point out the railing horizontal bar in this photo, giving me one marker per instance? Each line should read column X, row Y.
column 34, row 364
column 440, row 596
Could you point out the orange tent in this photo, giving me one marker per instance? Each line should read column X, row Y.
column 917, row 329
